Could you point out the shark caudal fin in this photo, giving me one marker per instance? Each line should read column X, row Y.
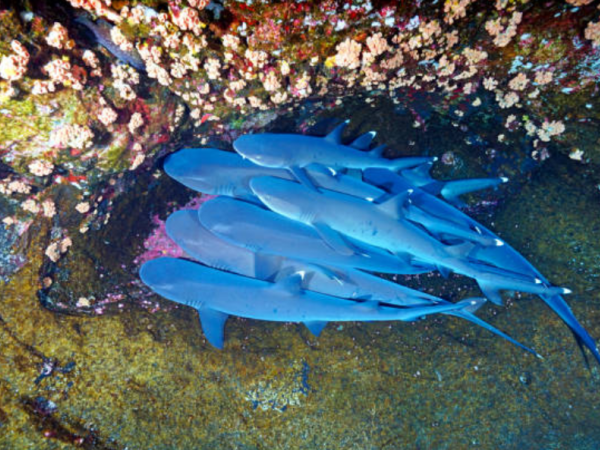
column 453, row 189
column 400, row 164
column 560, row 307
column 468, row 314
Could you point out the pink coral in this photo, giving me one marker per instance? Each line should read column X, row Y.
column 158, row 243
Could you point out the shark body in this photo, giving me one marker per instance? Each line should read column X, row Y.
column 217, row 295
column 218, row 172
column 296, row 152
column 334, row 215
column 186, row 230
column 263, row 231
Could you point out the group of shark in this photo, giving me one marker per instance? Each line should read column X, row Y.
column 301, row 226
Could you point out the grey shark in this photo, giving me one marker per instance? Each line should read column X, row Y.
column 335, row 215
column 296, row 152
column 498, row 256
column 263, row 231
column 219, row 172
column 217, row 295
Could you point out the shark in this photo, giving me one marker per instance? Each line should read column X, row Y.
column 216, row 295
column 450, row 190
column 262, row 231
column 219, row 172
column 498, row 256
column 295, row 152
column 186, row 230
column 334, row 215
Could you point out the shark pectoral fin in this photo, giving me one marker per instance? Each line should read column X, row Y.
column 355, row 173
column 491, row 292
column 302, row 177
column 266, row 267
column 213, row 325
column 333, row 239
column 335, row 137
column 315, row 326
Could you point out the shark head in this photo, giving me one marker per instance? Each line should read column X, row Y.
column 154, row 275
column 207, row 170
column 183, row 167
column 281, row 196
column 267, row 150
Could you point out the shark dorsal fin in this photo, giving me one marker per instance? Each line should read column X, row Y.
column 394, row 205
column 460, row 250
column 443, row 270
column 315, row 326
column 335, row 137
column 362, row 142
column 419, row 174
column 291, row 284
column 213, row 325
column 267, row 267
column 377, row 152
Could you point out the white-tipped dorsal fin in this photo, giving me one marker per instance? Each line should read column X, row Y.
column 364, row 141
column 335, row 137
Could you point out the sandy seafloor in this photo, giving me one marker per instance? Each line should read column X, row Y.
column 95, row 361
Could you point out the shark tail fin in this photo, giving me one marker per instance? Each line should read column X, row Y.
column 408, row 162
column 452, row 189
column 467, row 314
